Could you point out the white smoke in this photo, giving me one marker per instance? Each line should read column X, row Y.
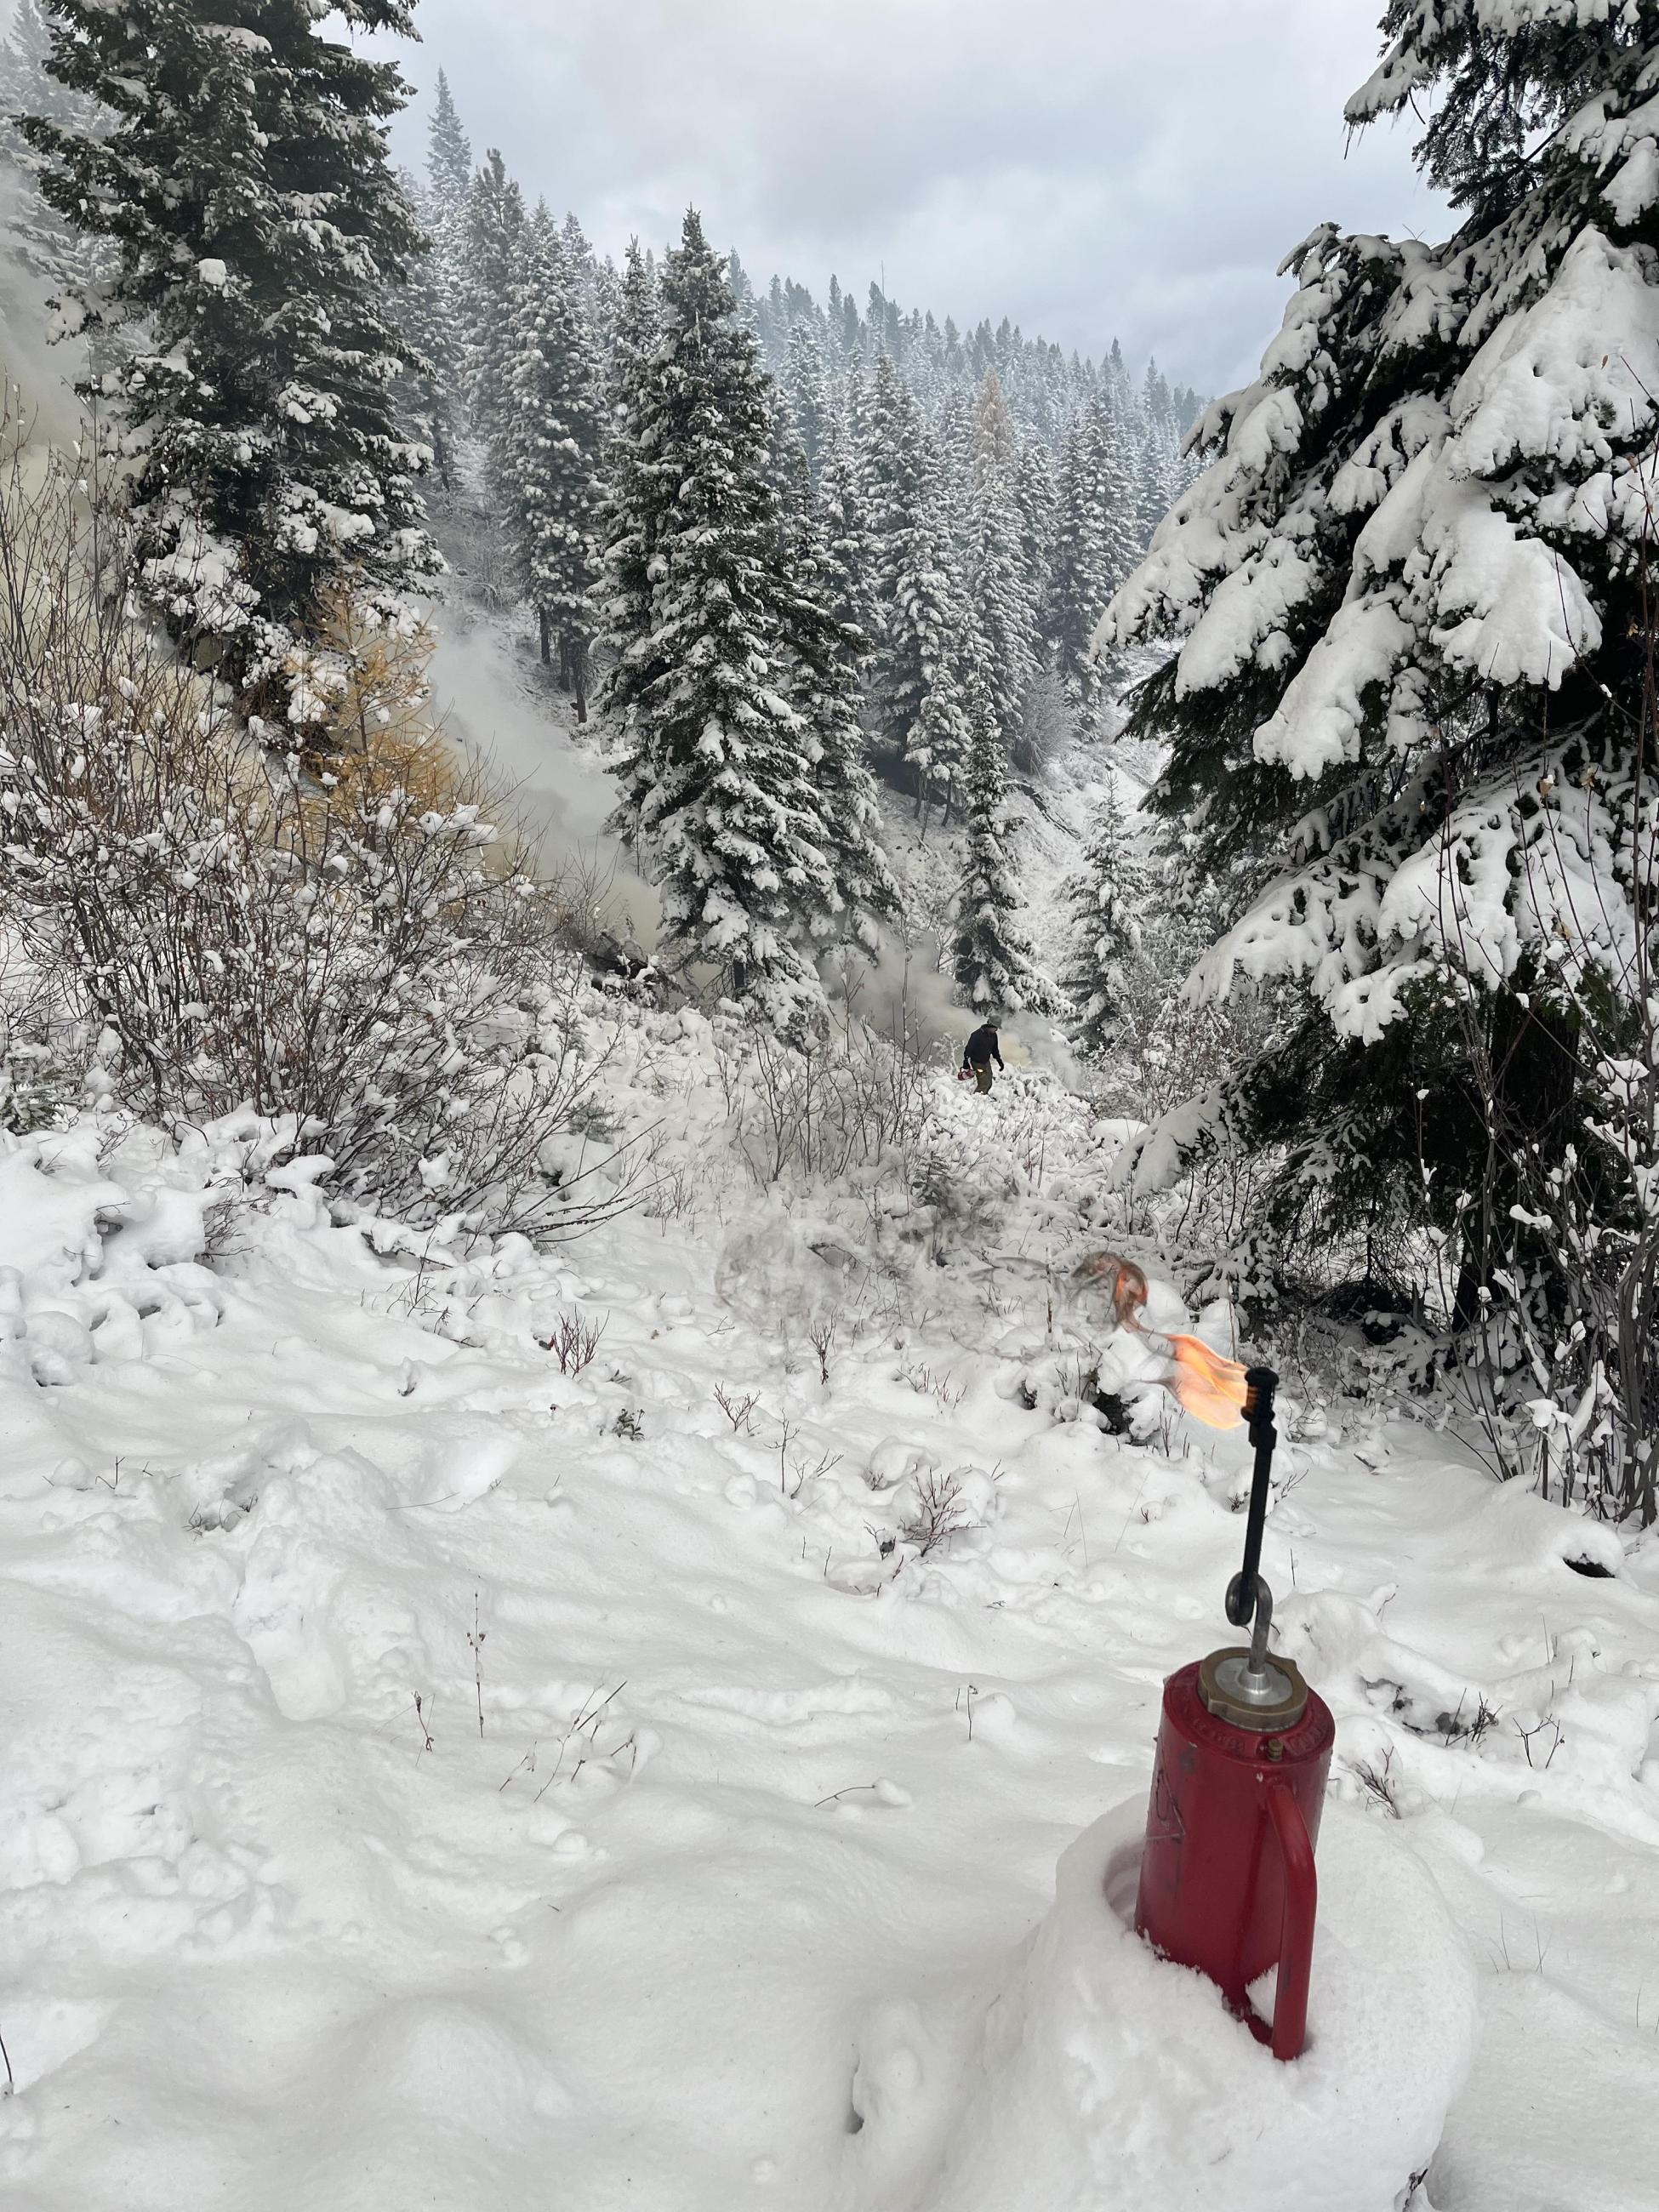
column 560, row 794
column 42, row 373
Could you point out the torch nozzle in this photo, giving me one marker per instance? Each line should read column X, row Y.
column 1259, row 1385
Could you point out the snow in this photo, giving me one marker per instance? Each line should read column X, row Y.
column 740, row 1853
column 1100, row 2077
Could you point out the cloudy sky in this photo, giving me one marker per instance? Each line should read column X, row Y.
column 1091, row 168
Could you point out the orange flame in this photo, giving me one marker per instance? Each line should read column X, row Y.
column 1209, row 1388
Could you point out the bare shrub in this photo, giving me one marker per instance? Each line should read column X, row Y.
column 946, row 1393
column 940, row 1513
column 1378, row 1783
column 848, row 1101
column 822, row 1338
column 218, row 925
column 575, row 1340
column 738, row 1411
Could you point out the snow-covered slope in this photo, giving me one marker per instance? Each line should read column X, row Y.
column 716, row 1866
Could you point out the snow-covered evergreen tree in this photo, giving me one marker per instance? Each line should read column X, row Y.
column 552, row 453
column 823, row 657
column 270, row 468
column 448, row 155
column 991, row 956
column 999, row 593
column 1104, row 902
column 941, row 737
column 1408, row 594
column 1123, row 547
column 1080, row 581
column 1153, row 487
column 847, row 554
column 424, row 392
column 68, row 263
column 435, row 315
column 628, row 514
column 803, row 382
column 919, row 598
column 1037, row 501
column 493, row 252
column 715, row 778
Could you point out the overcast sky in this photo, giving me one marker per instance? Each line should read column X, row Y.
column 1091, row 168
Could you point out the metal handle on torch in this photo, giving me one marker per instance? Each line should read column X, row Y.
column 1246, row 1594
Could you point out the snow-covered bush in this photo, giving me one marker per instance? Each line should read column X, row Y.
column 855, row 1098
column 1411, row 597
column 209, row 928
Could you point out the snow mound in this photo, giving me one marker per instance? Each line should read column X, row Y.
column 1099, row 2078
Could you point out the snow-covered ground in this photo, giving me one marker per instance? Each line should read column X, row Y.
column 716, row 1866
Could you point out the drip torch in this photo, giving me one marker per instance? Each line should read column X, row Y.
column 1227, row 1880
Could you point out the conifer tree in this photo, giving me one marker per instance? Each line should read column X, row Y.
column 918, row 596
column 627, row 512
column 68, row 265
column 1123, row 547
column 551, row 456
column 804, row 382
column 1035, row 501
column 436, row 315
column 1407, row 597
column 823, row 657
column 998, row 588
column 1080, row 583
column 1104, row 902
column 1151, row 487
column 493, row 250
column 426, row 367
column 846, row 556
column 448, row 152
column 270, row 472
column 991, row 956
column 716, row 790
column 941, row 737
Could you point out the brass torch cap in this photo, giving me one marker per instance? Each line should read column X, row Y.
column 1268, row 1702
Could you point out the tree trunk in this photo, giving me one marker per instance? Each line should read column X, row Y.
column 1531, row 1082
column 577, row 648
column 547, row 634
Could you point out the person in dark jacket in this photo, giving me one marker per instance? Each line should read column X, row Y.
column 981, row 1050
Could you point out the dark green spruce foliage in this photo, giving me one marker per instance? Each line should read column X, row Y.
column 550, row 456
column 824, row 655
column 991, row 956
column 1421, row 690
column 716, row 773
column 1000, row 588
column 492, row 253
column 1094, row 550
column 919, row 600
column 1105, row 899
column 432, row 318
column 242, row 177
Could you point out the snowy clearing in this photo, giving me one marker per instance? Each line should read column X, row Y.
column 706, row 1872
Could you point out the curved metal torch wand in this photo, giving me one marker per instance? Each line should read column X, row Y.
column 1249, row 1601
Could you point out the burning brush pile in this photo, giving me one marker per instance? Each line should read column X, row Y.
column 1204, row 1383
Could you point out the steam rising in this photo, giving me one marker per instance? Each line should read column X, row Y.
column 560, row 793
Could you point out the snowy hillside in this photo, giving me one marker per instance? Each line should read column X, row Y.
column 592, row 1536
column 445, row 1767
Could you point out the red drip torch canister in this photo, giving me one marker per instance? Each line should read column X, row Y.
column 1227, row 1879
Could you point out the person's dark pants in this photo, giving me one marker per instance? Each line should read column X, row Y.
column 982, row 1076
